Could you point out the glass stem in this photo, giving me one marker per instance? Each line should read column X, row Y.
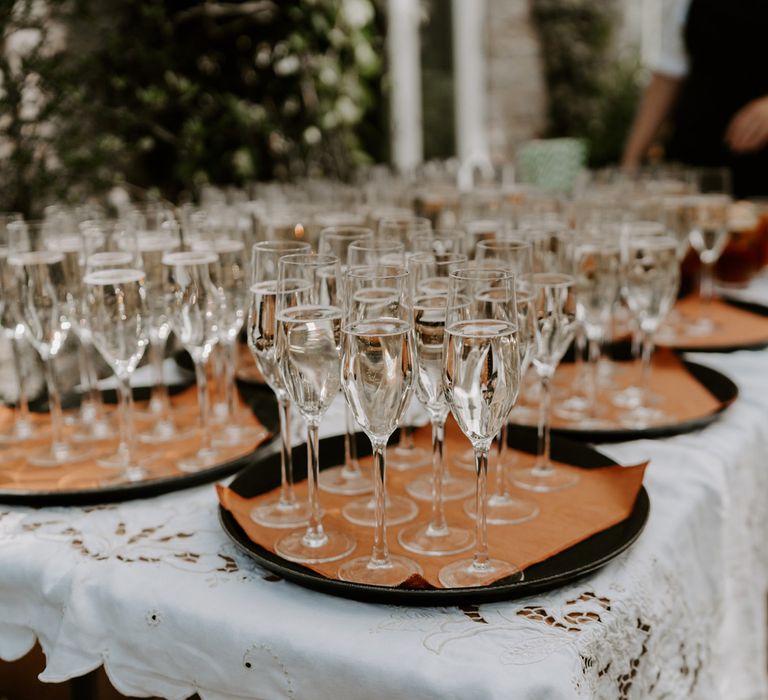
column 406, row 438
column 54, row 406
column 18, row 366
column 203, row 403
column 594, row 383
column 315, row 535
column 543, row 465
column 380, row 553
column 646, row 373
column 159, row 403
column 229, row 370
column 707, row 281
column 287, row 494
column 500, row 488
column 437, row 525
column 580, row 347
column 127, row 431
column 94, row 395
column 351, row 464
column 480, row 558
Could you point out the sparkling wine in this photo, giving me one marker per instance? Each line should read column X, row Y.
column 428, row 332
column 482, row 375
column 117, row 312
column 377, row 373
column 309, row 353
column 651, row 280
column 555, row 320
column 261, row 332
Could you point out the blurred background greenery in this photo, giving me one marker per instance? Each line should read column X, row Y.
column 173, row 94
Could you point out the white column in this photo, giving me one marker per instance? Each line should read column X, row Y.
column 403, row 48
column 470, row 85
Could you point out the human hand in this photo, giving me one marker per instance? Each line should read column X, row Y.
column 748, row 130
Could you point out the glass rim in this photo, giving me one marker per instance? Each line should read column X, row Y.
column 36, row 257
column 424, row 257
column 482, row 274
column 505, row 244
column 309, row 259
column 385, row 244
column 189, row 257
column 377, row 272
column 103, row 256
column 114, row 276
column 411, row 219
column 556, row 279
column 353, row 233
column 277, row 246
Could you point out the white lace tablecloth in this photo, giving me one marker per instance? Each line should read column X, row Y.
column 154, row 591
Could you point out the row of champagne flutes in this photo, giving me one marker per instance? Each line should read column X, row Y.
column 558, row 275
column 47, row 275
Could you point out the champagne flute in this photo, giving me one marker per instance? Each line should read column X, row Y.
column 285, row 510
column 429, row 291
column 443, row 242
column 376, row 374
column 46, row 310
column 555, row 326
column 116, row 304
column 308, row 352
column 23, row 429
column 153, row 243
column 376, row 252
column 516, row 257
column 403, row 229
column 481, row 378
column 651, row 281
column 229, row 274
column 195, row 308
column 347, row 478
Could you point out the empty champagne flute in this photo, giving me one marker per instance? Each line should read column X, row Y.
column 481, row 379
column 347, row 478
column 46, row 309
column 308, row 351
column 429, row 294
column 116, row 304
column 22, row 428
column 555, row 326
column 376, row 374
column 195, row 307
column 261, row 329
column 516, row 257
column 153, row 243
column 651, row 278
column 373, row 253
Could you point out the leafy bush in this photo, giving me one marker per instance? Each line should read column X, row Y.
column 175, row 93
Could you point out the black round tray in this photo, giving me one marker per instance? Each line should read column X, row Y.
column 261, row 402
column 583, row 558
column 720, row 386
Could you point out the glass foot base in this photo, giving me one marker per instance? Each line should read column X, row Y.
column 95, row 432
column 277, row 514
column 345, row 481
column 644, row 417
column 299, row 548
column 363, row 512
column 130, row 475
column 55, row 456
column 574, row 408
column 402, row 459
column 22, row 431
column 422, row 539
column 504, row 510
column 464, row 573
column 165, row 431
column 233, row 435
column 454, row 488
column 359, row 570
column 544, row 481
column 198, row 461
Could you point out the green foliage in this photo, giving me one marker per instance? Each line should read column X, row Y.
column 592, row 93
column 175, row 93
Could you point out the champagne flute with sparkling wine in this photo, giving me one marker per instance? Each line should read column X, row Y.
column 286, row 510
column 118, row 318
column 348, row 478
column 195, row 307
column 482, row 379
column 308, row 351
column 429, row 291
column 555, row 308
column 376, row 374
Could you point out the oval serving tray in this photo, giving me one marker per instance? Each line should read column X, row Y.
column 585, row 557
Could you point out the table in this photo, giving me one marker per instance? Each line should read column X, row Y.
column 155, row 592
